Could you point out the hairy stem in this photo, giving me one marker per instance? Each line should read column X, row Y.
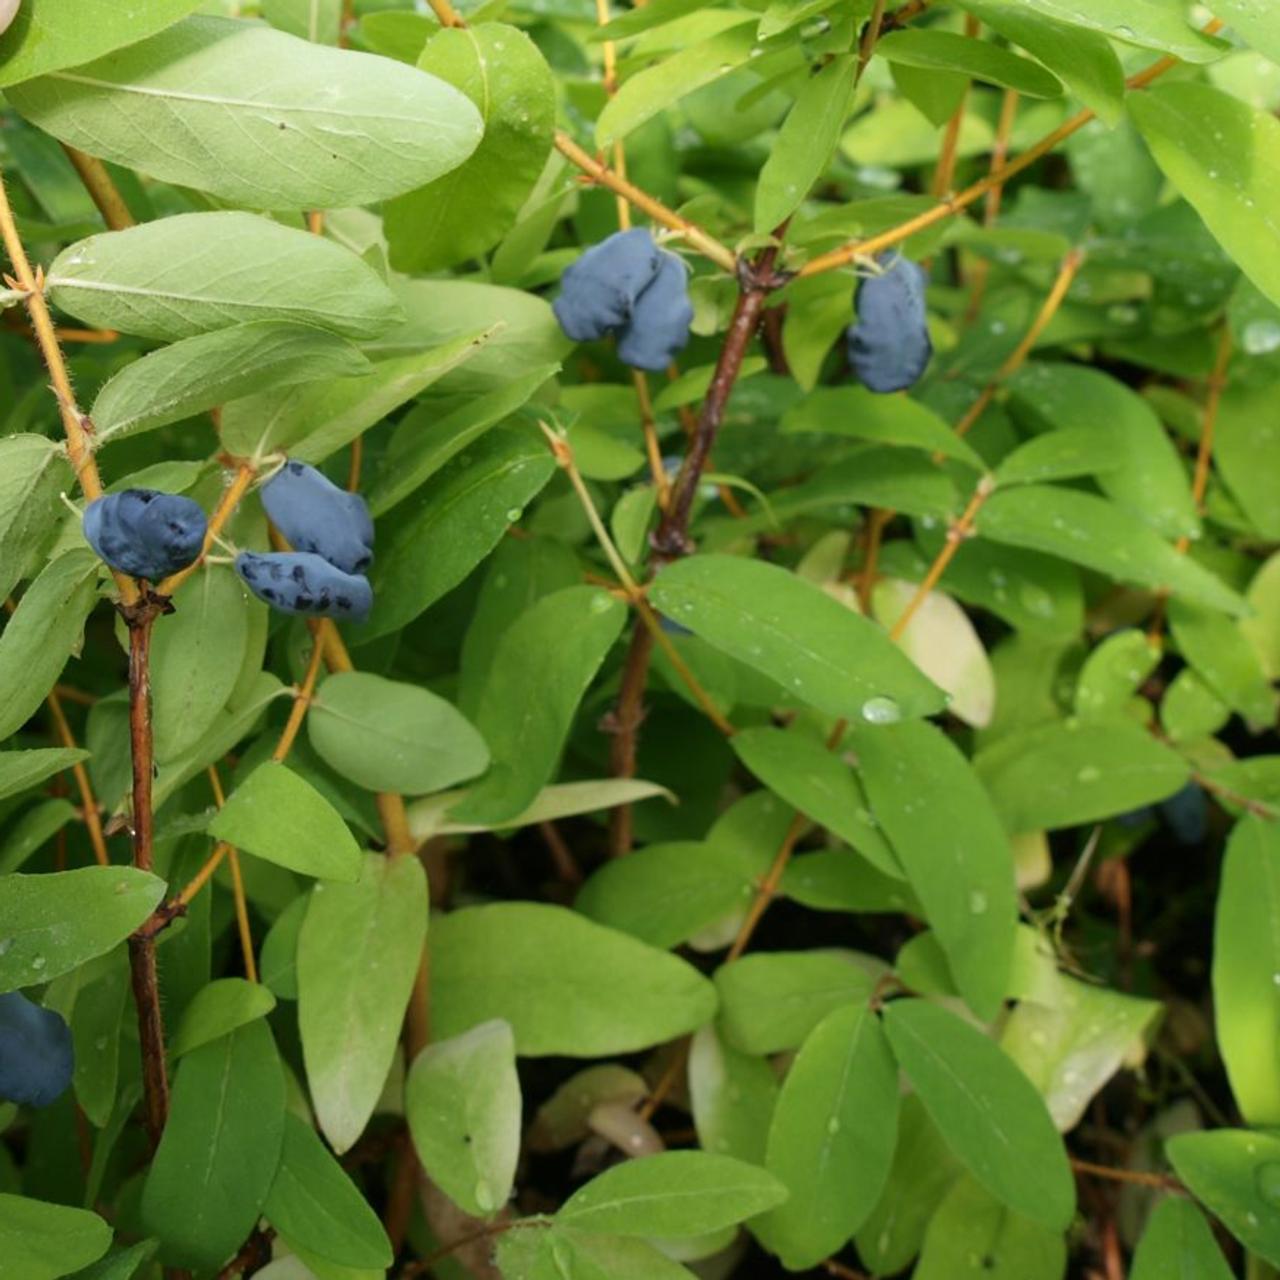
column 102, row 191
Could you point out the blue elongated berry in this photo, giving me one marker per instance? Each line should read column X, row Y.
column 659, row 323
column 889, row 347
column 315, row 515
column 598, row 291
column 303, row 582
column 37, row 1058
column 1187, row 814
column 144, row 533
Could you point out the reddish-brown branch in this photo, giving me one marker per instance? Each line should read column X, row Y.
column 624, row 723
column 142, row 948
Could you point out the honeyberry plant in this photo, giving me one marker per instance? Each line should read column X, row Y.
column 640, row 641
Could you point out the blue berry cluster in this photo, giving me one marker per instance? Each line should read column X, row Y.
column 332, row 532
column 37, row 1057
column 889, row 347
column 144, row 533
column 627, row 286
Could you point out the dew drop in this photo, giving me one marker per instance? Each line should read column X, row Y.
column 1090, row 773
column 977, row 902
column 37, row 962
column 881, row 710
column 5, row 944
column 1267, row 1178
column 514, row 514
column 485, row 1200
column 833, row 1126
column 1261, row 337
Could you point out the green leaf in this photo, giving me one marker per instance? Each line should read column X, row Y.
column 1082, row 58
column 560, row 800
column 42, row 633
column 1259, row 27
column 1071, row 1039
column 1177, row 1244
column 1113, row 673
column 643, row 95
column 923, row 1169
column 32, row 830
column 974, row 1235
column 33, row 471
column 665, row 894
column 1246, row 959
column 276, row 815
column 805, row 143
column 317, row 420
column 208, row 369
column 818, row 782
column 1138, row 467
column 893, row 419
column 1246, row 453
column 386, row 735
column 986, row 1109
column 168, row 279
column 832, row 1137
column 1235, row 1174
column 453, row 522
column 795, row 633
column 1149, row 24
column 732, row 1095
column 1224, row 157
column 312, row 1201
column 769, row 1002
column 566, row 985
column 423, row 442
column 1090, row 531
column 541, row 670
column 317, row 20
column 196, row 658
column 220, row 1149
column 948, row 838
column 466, row 212
column 21, row 770
column 1215, row 646
column 1069, row 772
column 328, row 127
column 349, row 1025
column 935, row 50
column 41, row 1241
column 462, row 1100
column 1056, row 455
column 48, row 34
column 216, row 1010
column 51, row 924
column 672, row 1194
column 557, row 1253
column 120, row 1264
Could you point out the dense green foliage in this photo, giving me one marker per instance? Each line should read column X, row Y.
column 766, row 823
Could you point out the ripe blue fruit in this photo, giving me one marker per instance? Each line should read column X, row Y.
column 1187, row 814
column 659, row 323
column 315, row 515
column 37, row 1057
column 144, row 533
column 303, row 582
column 889, row 347
column 598, row 291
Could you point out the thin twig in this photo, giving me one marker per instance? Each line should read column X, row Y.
column 76, row 426
column 995, row 197
column 239, row 897
column 705, row 244
column 102, row 191
column 945, row 171
column 88, row 802
column 961, row 201
column 1137, row 1177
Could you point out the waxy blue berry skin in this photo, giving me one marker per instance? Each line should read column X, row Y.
column 37, row 1058
column 889, row 347
column 315, row 515
column 659, row 326
column 303, row 582
column 598, row 292
column 144, row 533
